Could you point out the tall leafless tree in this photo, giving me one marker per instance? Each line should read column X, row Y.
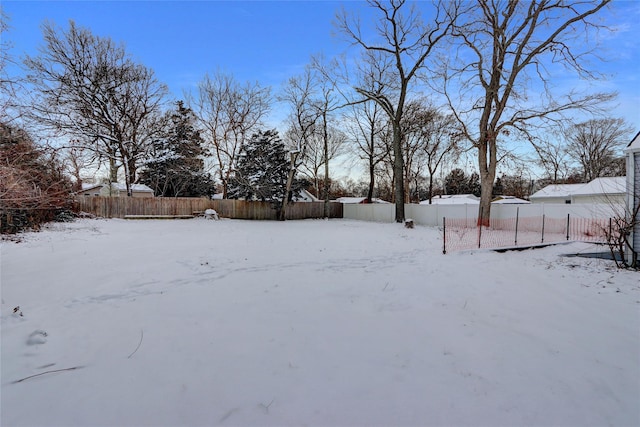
column 88, row 88
column 8, row 84
column 431, row 137
column 230, row 112
column 552, row 156
column 366, row 123
column 405, row 42
column 503, row 50
column 303, row 120
column 596, row 145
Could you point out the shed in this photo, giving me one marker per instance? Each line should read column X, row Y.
column 633, row 191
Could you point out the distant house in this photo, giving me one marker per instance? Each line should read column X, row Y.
column 358, row 200
column 509, row 200
column 306, row 196
column 609, row 190
column 555, row 193
column 115, row 190
column 453, row 199
column 633, row 189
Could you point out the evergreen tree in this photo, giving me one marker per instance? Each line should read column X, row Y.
column 262, row 170
column 473, row 185
column 498, row 188
column 456, row 182
column 176, row 168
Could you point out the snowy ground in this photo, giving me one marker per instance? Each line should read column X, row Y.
column 326, row 323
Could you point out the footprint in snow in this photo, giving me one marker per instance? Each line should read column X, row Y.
column 37, row 337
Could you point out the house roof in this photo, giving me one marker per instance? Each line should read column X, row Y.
column 599, row 186
column 453, row 199
column 556, row 190
column 119, row 186
column 509, row 200
column 356, row 200
column 608, row 185
column 305, row 196
column 634, row 145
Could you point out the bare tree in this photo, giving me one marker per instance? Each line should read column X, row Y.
column 431, row 137
column 230, row 112
column 32, row 186
column 8, row 84
column 505, row 48
column 319, row 152
column 406, row 43
column 303, row 119
column 552, row 155
column 76, row 160
column 365, row 127
column 596, row 146
column 88, row 88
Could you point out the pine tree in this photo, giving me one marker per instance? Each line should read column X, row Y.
column 262, row 169
column 176, row 168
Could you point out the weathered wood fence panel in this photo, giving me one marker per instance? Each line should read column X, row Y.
column 119, row 207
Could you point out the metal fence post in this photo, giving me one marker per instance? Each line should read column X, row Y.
column 568, row 226
column 542, row 229
column 444, row 233
column 517, row 218
column 480, row 229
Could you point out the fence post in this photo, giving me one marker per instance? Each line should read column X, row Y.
column 444, row 233
column 568, row 226
column 542, row 229
column 480, row 229
column 517, row 218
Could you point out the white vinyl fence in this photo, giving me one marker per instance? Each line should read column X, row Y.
column 432, row 215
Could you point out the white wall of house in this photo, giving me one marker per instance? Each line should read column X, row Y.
column 633, row 188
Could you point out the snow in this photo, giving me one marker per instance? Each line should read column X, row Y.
column 455, row 199
column 358, row 200
column 598, row 186
column 510, row 200
column 557, row 190
column 315, row 322
column 605, row 185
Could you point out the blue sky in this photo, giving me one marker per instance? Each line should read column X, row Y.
column 267, row 41
column 264, row 41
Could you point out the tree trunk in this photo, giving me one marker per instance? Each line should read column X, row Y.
column 430, row 187
column 326, row 168
column 113, row 170
column 372, row 179
column 398, row 172
column 282, row 213
column 487, row 160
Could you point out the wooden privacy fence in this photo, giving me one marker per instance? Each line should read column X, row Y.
column 119, row 207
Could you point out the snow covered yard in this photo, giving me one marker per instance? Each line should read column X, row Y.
column 314, row 322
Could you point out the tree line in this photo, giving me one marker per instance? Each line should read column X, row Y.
column 424, row 86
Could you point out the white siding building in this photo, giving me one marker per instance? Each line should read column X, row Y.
column 633, row 188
